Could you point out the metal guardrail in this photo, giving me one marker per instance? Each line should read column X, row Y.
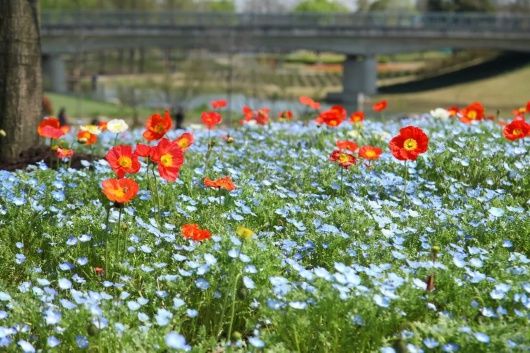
column 468, row 22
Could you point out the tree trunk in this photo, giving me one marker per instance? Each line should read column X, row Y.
column 20, row 76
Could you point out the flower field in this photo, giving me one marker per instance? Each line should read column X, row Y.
column 339, row 234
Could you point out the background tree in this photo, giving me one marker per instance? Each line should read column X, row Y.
column 320, row 6
column 20, row 76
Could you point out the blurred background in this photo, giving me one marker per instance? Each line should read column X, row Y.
column 126, row 58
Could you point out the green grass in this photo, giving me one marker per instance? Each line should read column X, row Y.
column 504, row 92
column 87, row 108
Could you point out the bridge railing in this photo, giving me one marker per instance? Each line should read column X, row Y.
column 470, row 22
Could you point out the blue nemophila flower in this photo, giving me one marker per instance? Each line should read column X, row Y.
column 53, row 341
column 26, row 346
column 482, row 337
column 81, row 341
column 256, row 342
column 176, row 341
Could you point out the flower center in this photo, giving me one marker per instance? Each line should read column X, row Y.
column 183, row 142
column 472, row 115
column 125, row 161
column 410, row 144
column 159, row 128
column 343, row 158
column 166, row 160
column 517, row 132
column 370, row 153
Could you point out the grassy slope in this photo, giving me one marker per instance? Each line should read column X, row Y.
column 504, row 92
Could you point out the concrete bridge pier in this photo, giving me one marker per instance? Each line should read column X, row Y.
column 54, row 73
column 359, row 77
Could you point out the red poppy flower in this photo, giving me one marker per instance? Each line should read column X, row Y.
column 144, row 151
column 120, row 190
column 309, row 102
column 122, row 160
column 248, row 113
column 63, row 153
column 193, row 232
column 380, row 106
column 218, row 104
column 517, row 129
column 157, row 126
column 409, row 143
column 473, row 112
column 343, row 159
column 453, row 111
column 262, row 116
column 285, row 115
column 86, row 138
column 51, row 128
column 210, row 119
column 528, row 107
column 347, row 145
column 332, row 117
column 357, row 117
column 220, row 183
column 370, row 152
column 169, row 157
column 185, row 141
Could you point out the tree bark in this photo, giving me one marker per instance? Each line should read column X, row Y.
column 20, row 77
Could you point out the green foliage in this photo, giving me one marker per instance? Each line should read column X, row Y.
column 320, row 6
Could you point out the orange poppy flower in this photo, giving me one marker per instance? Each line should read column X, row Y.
column 409, row 143
column 86, row 137
column 185, row 141
column 517, row 129
column 357, row 117
column 218, row 104
column 120, row 190
column 63, row 153
column 453, row 111
column 193, row 232
column 157, row 126
column 343, row 159
column 370, row 152
column 309, row 102
column 169, row 157
column 51, row 128
column 332, row 117
column 347, row 145
column 122, row 160
column 102, row 125
column 380, row 106
column 248, row 113
column 220, row 183
column 473, row 112
column 210, row 119
column 143, row 150
column 285, row 115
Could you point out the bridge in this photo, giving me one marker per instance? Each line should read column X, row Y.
column 360, row 36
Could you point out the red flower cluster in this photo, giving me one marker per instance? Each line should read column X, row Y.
column 220, row 183
column 307, row 101
column 219, row 104
column 260, row 116
column 332, row 117
column 193, row 232
column 122, row 160
column 409, row 143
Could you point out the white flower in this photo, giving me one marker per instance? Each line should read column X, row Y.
column 117, row 126
column 93, row 129
column 440, row 113
column 354, row 133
